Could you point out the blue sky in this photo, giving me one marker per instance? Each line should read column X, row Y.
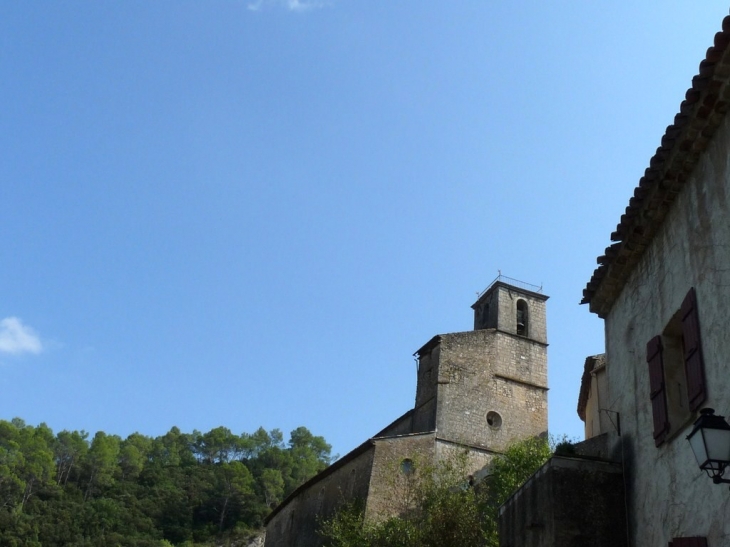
column 252, row 213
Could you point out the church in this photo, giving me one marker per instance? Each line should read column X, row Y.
column 477, row 392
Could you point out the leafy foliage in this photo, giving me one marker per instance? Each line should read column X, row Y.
column 437, row 507
column 176, row 489
column 507, row 474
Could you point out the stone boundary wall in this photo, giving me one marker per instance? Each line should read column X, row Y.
column 568, row 501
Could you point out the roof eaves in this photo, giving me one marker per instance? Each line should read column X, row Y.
column 700, row 114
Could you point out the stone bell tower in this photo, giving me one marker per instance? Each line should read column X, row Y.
column 487, row 388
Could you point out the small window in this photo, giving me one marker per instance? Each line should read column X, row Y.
column 522, row 319
column 407, row 467
column 494, row 419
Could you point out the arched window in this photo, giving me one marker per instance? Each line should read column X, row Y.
column 407, row 467
column 522, row 318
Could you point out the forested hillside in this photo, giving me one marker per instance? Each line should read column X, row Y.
column 181, row 488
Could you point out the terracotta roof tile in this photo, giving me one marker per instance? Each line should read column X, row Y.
column 700, row 113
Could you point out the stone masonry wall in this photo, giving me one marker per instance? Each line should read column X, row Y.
column 427, row 367
column 295, row 525
column 389, row 485
column 507, row 320
column 558, row 507
column 486, row 371
column 425, row 408
column 476, row 460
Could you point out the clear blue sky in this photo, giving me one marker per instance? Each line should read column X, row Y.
column 252, row 213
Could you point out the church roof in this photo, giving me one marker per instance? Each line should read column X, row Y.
column 700, row 114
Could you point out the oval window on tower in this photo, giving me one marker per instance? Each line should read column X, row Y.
column 494, row 419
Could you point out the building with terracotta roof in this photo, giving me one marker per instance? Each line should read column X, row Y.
column 663, row 290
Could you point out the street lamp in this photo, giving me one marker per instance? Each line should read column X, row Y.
column 710, row 442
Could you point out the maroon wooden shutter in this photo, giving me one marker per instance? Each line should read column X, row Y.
column 694, row 366
column 688, row 542
column 657, row 393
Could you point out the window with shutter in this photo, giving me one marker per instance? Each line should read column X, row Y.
column 693, row 363
column 676, row 371
column 657, row 389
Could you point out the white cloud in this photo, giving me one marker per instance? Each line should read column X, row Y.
column 291, row 5
column 17, row 338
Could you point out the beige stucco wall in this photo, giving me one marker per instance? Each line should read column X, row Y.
column 668, row 495
column 597, row 421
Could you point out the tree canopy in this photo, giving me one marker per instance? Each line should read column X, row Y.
column 178, row 488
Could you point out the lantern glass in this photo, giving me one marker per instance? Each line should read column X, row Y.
column 697, row 443
column 711, row 448
column 710, row 442
column 717, row 442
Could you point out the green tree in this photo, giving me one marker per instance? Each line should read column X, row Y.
column 100, row 462
column 218, row 445
column 310, row 454
column 200, row 488
column 272, row 484
column 173, row 448
column 133, row 453
column 348, row 527
column 69, row 449
column 11, row 485
column 36, row 466
column 234, row 488
column 508, row 472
